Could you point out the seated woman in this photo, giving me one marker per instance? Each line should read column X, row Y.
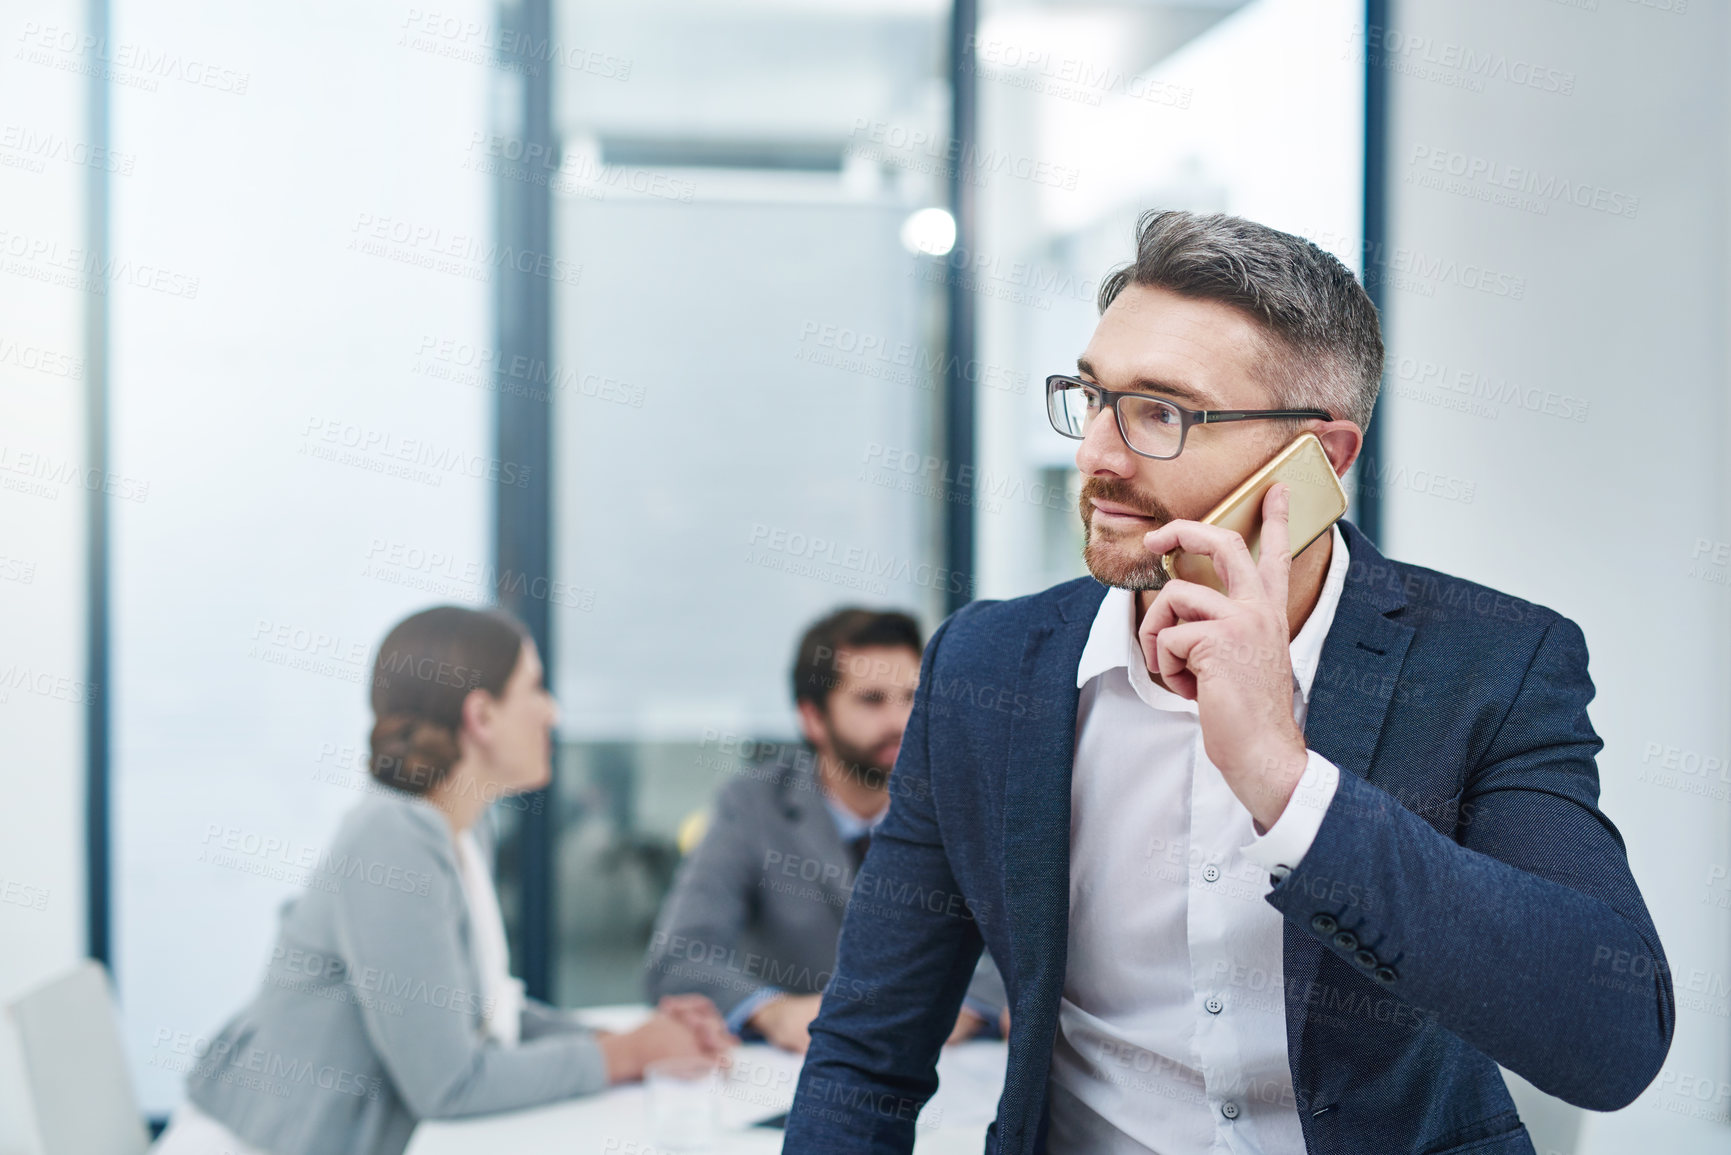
column 388, row 998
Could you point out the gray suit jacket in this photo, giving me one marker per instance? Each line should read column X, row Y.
column 759, row 901
column 369, row 1016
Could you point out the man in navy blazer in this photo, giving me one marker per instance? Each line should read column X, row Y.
column 1285, row 868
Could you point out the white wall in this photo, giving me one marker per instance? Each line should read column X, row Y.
column 313, row 476
column 1623, row 319
column 254, row 311
column 1259, row 114
column 43, row 161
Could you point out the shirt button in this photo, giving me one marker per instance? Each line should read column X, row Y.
column 1211, row 873
column 1214, row 1005
column 1230, row 1110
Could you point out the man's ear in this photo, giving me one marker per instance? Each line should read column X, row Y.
column 812, row 725
column 1342, row 440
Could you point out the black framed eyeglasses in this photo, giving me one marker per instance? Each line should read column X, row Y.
column 1149, row 425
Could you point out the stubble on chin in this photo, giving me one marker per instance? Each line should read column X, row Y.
column 1117, row 557
column 1119, row 560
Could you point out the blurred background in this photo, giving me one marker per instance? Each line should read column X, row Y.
column 672, row 325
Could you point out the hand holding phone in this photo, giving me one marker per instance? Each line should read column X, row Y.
column 1318, row 501
column 1229, row 651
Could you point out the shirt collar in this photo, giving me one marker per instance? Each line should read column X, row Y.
column 848, row 824
column 1112, row 639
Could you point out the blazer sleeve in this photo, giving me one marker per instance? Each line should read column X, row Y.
column 695, row 947
column 406, row 942
column 907, row 953
column 1525, row 934
column 540, row 1019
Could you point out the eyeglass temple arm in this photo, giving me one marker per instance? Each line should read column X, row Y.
column 1214, row 416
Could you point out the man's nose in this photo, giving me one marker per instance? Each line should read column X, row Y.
column 1103, row 449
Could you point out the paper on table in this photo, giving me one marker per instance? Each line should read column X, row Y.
column 762, row 1080
column 759, row 1085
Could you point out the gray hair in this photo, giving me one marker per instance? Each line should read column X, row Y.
column 1313, row 312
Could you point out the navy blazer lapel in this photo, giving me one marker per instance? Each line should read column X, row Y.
column 1356, row 679
column 1359, row 671
column 1037, row 766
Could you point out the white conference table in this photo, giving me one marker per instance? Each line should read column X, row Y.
column 759, row 1085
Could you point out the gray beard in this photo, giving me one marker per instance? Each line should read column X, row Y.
column 1108, row 566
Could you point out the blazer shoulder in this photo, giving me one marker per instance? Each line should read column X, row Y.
column 392, row 825
column 1442, row 605
column 755, row 791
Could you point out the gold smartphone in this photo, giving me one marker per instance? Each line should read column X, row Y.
column 1318, row 501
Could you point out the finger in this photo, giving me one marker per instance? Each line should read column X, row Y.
column 1172, row 657
column 717, row 1031
column 692, row 1008
column 1182, row 601
column 1179, row 603
column 1223, row 547
column 681, row 1012
column 1182, row 650
column 1274, row 560
column 711, row 1032
column 699, row 1031
column 967, row 1023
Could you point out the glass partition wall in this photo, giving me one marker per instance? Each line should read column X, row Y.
column 747, row 260
column 764, row 351
column 749, row 430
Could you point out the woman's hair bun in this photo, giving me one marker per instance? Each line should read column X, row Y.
column 411, row 753
column 426, row 668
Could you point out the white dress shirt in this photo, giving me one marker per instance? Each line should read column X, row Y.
column 1172, row 1027
column 501, row 992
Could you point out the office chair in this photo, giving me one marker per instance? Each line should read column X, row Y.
column 75, row 1068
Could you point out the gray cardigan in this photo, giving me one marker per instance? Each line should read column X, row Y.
column 369, row 1016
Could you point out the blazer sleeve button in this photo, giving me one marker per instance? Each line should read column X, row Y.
column 1324, row 924
column 1346, row 940
column 1385, row 974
